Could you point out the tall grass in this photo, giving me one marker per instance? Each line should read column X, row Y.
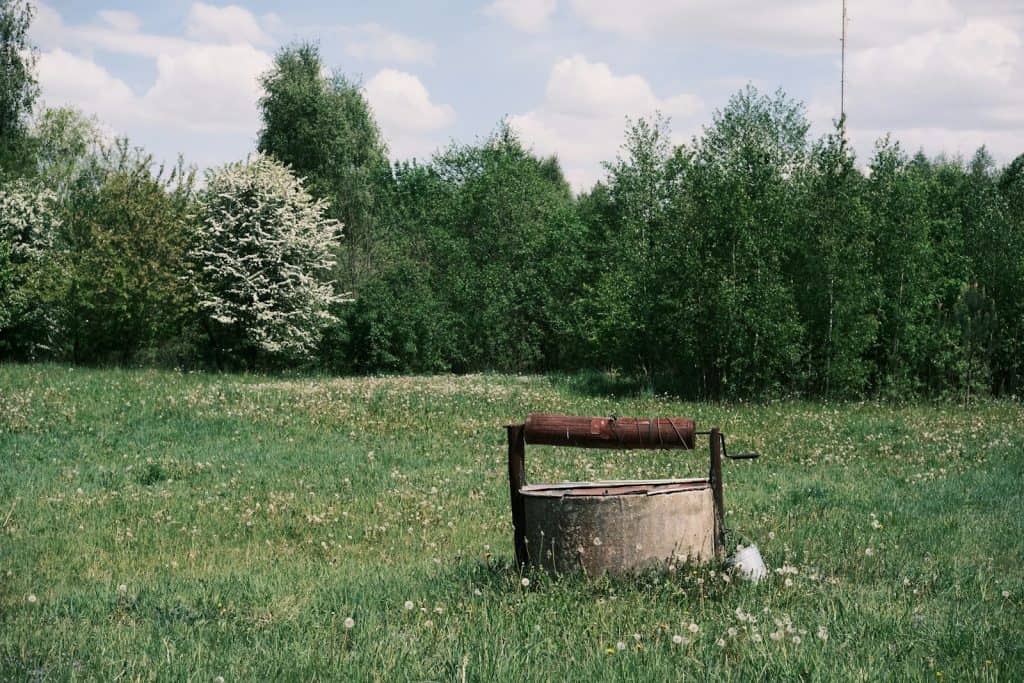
column 164, row 526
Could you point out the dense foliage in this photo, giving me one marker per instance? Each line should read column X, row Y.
column 322, row 128
column 18, row 85
column 751, row 261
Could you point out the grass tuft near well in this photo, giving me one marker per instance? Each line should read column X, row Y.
column 168, row 526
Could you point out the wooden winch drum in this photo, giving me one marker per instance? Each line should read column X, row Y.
column 617, row 527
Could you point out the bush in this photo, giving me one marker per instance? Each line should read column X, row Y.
column 260, row 255
column 28, row 271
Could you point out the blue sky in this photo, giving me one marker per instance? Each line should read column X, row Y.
column 180, row 76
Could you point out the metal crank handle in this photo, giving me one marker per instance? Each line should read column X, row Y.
column 738, row 456
column 744, row 456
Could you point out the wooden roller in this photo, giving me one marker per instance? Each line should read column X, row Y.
column 609, row 432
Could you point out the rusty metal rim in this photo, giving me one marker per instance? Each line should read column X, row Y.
column 603, row 489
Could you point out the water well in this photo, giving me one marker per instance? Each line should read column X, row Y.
column 615, row 526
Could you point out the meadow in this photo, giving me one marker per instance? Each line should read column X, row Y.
column 170, row 526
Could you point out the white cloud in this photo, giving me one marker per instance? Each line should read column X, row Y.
column 209, row 89
column 943, row 90
column 112, row 35
column 402, row 102
column 375, row 42
column 963, row 78
column 406, row 114
column 584, row 114
column 68, row 79
column 230, row 25
column 791, row 27
column 531, row 16
column 209, row 86
column 122, row 21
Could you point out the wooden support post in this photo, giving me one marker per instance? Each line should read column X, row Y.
column 517, row 480
column 715, row 476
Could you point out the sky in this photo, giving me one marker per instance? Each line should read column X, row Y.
column 945, row 76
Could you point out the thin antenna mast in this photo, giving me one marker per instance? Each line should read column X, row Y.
column 842, row 68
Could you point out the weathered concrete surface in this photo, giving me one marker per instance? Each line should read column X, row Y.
column 573, row 527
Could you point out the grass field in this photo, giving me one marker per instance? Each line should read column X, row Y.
column 164, row 526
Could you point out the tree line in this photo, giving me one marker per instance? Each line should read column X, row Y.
column 752, row 261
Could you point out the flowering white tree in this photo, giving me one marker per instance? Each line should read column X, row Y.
column 28, row 224
column 261, row 258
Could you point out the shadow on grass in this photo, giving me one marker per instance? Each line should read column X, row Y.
column 603, row 384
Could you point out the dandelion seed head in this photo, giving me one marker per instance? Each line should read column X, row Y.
column 31, row 598
column 693, row 628
column 732, row 631
column 678, row 639
column 408, row 604
column 796, row 640
column 620, row 646
column 720, row 642
column 524, row 582
column 1006, row 594
column 122, row 589
column 350, row 622
column 822, row 633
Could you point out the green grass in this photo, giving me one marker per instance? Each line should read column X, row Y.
column 247, row 518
